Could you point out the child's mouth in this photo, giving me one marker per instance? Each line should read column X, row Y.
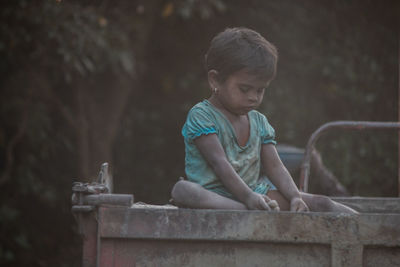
column 250, row 108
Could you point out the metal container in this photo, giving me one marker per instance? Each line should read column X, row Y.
column 157, row 236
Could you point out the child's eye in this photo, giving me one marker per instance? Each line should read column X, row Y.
column 244, row 89
column 260, row 90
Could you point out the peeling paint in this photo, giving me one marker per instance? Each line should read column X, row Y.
column 188, row 237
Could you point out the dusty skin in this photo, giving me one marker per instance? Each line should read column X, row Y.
column 190, row 195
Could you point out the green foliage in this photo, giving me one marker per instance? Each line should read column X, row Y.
column 339, row 64
column 85, row 40
column 338, row 61
column 365, row 162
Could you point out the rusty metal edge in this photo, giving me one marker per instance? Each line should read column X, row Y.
column 352, row 125
column 250, row 226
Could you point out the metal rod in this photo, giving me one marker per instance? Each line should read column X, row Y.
column 352, row 125
column 398, row 110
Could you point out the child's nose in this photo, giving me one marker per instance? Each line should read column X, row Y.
column 253, row 97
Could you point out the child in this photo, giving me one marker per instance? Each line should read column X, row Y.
column 229, row 145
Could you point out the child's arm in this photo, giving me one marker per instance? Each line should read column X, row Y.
column 280, row 177
column 213, row 152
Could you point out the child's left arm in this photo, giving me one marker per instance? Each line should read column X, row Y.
column 281, row 178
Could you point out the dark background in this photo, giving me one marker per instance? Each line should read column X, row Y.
column 84, row 82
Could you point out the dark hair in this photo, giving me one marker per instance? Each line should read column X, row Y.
column 241, row 48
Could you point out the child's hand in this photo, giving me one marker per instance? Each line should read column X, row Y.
column 271, row 203
column 298, row 205
column 261, row 202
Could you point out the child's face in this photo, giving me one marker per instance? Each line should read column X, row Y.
column 242, row 92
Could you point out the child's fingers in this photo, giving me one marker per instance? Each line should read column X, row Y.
column 273, row 204
column 263, row 204
column 298, row 205
column 295, row 207
column 303, row 208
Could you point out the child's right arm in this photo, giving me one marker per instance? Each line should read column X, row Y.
column 212, row 150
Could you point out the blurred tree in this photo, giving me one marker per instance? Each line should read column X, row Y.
column 83, row 82
column 68, row 71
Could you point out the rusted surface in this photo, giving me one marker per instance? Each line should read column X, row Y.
column 371, row 204
column 187, row 237
column 188, row 224
column 352, row 125
column 381, row 256
column 88, row 230
column 116, row 233
column 347, row 254
column 110, row 199
column 131, row 252
column 86, row 198
column 105, row 178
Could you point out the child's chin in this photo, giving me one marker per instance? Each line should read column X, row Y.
column 241, row 113
column 247, row 110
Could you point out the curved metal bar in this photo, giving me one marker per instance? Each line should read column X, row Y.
column 352, row 125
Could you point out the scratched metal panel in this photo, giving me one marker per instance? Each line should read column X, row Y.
column 371, row 204
column 213, row 225
column 377, row 229
column 215, row 253
column 163, row 237
column 381, row 256
column 186, row 224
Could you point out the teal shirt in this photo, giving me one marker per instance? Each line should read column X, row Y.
column 204, row 119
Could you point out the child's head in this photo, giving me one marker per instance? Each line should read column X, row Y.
column 240, row 48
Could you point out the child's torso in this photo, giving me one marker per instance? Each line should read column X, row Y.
column 241, row 127
column 240, row 138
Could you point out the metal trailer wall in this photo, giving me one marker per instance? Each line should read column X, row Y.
column 126, row 236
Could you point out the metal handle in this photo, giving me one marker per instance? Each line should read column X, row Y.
column 351, row 125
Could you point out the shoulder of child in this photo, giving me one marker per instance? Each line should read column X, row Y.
column 199, row 108
column 258, row 115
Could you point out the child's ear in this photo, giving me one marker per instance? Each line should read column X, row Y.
column 213, row 79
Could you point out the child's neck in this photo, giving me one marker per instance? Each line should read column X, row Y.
column 239, row 122
column 232, row 117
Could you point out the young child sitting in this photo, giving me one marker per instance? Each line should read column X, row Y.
column 229, row 146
